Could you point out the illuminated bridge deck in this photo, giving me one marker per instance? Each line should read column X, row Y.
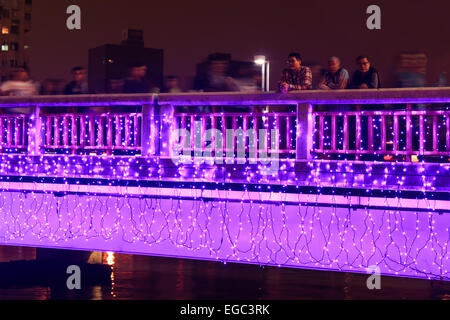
column 323, row 180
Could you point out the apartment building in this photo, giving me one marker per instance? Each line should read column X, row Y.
column 15, row 27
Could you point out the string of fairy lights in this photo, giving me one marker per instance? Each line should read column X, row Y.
column 410, row 244
column 293, row 230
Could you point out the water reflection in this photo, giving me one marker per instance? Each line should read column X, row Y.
column 110, row 260
column 143, row 277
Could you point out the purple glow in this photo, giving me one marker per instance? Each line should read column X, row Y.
column 410, row 244
column 282, row 101
column 402, row 235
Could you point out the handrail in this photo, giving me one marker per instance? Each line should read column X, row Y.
column 150, row 130
column 367, row 96
column 78, row 100
column 335, row 97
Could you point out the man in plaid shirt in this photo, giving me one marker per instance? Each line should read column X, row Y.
column 296, row 76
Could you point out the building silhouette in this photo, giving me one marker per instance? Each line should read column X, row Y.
column 109, row 63
column 15, row 26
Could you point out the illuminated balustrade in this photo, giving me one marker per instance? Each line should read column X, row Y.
column 420, row 127
column 102, row 132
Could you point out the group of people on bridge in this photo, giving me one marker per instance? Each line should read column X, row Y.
column 295, row 77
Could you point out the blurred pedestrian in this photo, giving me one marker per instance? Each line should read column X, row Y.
column 50, row 87
column 171, row 85
column 79, row 84
column 217, row 77
column 442, row 80
column 137, row 82
column 20, row 84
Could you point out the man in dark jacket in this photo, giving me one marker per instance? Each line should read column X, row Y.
column 366, row 77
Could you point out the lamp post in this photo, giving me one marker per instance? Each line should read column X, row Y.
column 265, row 68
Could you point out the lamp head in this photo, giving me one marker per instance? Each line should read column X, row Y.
column 260, row 60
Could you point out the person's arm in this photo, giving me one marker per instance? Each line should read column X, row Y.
column 37, row 88
column 323, row 84
column 283, row 84
column 306, row 82
column 67, row 89
column 5, row 89
column 357, row 82
column 374, row 83
column 342, row 81
column 343, row 84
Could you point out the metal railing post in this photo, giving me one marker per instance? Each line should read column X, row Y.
column 304, row 131
column 35, row 133
column 165, row 123
column 148, row 134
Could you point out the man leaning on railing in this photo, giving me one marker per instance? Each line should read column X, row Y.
column 366, row 77
column 295, row 76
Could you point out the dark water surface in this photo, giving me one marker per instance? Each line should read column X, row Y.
column 155, row 278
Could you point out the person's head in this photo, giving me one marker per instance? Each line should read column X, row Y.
column 363, row 63
column 294, row 60
column 171, row 82
column 79, row 74
column 218, row 64
column 21, row 73
column 138, row 71
column 334, row 64
column 48, row 86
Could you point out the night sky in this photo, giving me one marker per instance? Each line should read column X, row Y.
column 189, row 30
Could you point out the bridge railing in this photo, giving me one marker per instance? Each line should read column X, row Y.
column 240, row 134
column 405, row 133
column 13, row 130
column 92, row 132
column 399, row 124
column 384, row 125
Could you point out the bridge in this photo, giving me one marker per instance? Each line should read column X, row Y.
column 342, row 180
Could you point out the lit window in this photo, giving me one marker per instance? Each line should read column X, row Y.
column 5, row 30
column 4, row 47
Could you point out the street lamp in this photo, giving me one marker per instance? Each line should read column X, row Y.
column 265, row 68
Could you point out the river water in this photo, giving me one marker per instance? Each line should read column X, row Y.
column 155, row 278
